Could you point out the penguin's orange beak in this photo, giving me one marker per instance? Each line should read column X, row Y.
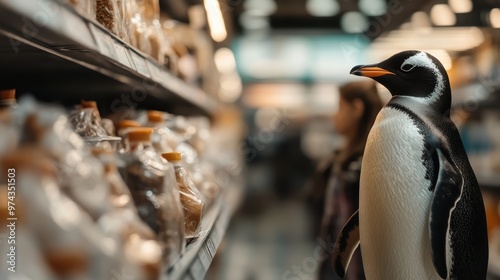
column 370, row 71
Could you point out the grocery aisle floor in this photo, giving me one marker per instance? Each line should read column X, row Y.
column 268, row 244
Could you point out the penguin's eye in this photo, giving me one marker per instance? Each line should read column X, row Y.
column 407, row 67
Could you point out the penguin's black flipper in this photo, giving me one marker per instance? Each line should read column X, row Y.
column 446, row 195
column 345, row 245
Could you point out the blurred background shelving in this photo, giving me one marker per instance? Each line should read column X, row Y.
column 293, row 56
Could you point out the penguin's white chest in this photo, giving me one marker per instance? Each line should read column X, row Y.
column 395, row 201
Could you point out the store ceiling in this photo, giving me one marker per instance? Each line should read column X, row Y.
column 331, row 15
column 371, row 17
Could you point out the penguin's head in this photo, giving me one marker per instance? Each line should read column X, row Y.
column 410, row 73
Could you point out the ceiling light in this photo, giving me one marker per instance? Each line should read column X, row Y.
column 442, row 15
column 495, row 17
column 215, row 20
column 420, row 20
column 251, row 21
column 230, row 87
column 460, row 6
column 322, row 8
column 224, row 60
column 373, row 7
column 260, row 7
column 354, row 22
column 453, row 39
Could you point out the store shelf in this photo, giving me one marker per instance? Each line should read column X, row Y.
column 199, row 254
column 48, row 49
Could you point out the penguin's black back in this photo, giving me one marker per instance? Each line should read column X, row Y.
column 469, row 241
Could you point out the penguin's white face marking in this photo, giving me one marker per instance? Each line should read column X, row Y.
column 422, row 60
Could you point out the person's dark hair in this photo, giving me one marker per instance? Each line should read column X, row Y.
column 366, row 91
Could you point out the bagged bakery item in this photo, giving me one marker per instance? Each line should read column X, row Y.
column 26, row 261
column 10, row 119
column 191, row 198
column 80, row 174
column 71, row 244
column 124, row 224
column 88, row 124
column 137, row 241
column 124, row 127
column 109, row 15
column 123, row 21
column 106, row 124
column 166, row 139
column 161, row 140
column 138, row 26
column 151, row 181
column 151, row 12
column 119, row 194
column 202, row 175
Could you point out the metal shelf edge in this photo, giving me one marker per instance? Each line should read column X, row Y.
column 195, row 263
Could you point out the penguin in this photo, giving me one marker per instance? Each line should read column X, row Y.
column 421, row 213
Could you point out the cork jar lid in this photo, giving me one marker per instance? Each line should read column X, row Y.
column 8, row 94
column 140, row 134
column 128, row 124
column 89, row 104
column 155, row 116
column 173, row 156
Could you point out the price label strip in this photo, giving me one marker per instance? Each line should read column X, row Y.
column 140, row 64
column 122, row 54
column 156, row 72
column 197, row 270
column 77, row 29
column 205, row 257
column 215, row 236
column 211, row 246
column 104, row 42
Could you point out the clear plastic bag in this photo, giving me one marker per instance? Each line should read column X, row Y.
column 151, row 181
column 124, row 127
column 72, row 246
column 203, row 177
column 119, row 194
column 88, row 124
column 160, row 137
column 108, row 15
column 156, row 40
column 154, row 29
column 123, row 222
column 138, row 27
column 171, row 58
column 112, row 14
column 191, row 198
column 166, row 140
column 123, row 31
column 108, row 126
column 26, row 243
column 80, row 173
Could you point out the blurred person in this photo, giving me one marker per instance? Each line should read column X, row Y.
column 336, row 182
